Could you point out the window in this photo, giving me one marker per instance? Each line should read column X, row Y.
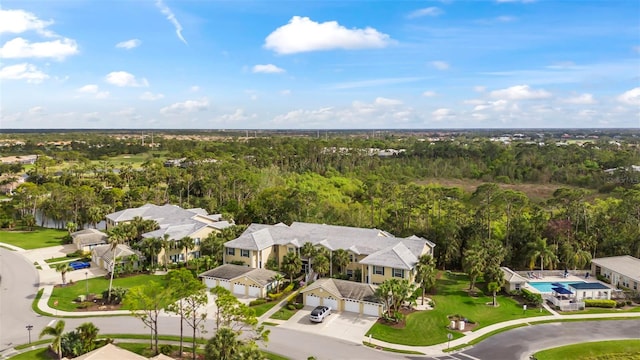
column 196, row 241
column 244, row 253
column 518, row 287
column 290, row 249
column 635, row 286
column 399, row 273
column 378, row 270
column 349, row 273
column 231, row 251
column 196, row 254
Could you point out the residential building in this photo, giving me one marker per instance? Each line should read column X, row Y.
column 343, row 295
column 102, row 256
column 375, row 255
column 87, row 239
column 175, row 223
column 241, row 280
column 620, row 271
column 512, row 280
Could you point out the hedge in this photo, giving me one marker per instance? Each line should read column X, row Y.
column 600, row 303
column 531, row 298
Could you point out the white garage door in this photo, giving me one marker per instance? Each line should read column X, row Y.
column 352, row 305
column 209, row 282
column 239, row 289
column 371, row 309
column 254, row 291
column 312, row 300
column 331, row 302
column 225, row 284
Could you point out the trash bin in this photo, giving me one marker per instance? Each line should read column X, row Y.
column 461, row 325
column 452, row 325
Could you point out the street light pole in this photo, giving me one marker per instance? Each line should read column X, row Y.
column 29, row 328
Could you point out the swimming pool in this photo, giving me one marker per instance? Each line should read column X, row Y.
column 545, row 287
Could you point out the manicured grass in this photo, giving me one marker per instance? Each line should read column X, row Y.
column 601, row 350
column 67, row 294
column 186, row 339
column 60, row 259
column 430, row 327
column 267, row 323
column 283, row 314
column 483, row 337
column 271, row 356
column 33, row 343
column 34, row 304
column 37, row 354
column 38, row 238
column 261, row 309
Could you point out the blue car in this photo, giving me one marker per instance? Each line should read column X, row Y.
column 75, row 265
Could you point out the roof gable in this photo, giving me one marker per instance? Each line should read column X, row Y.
column 397, row 256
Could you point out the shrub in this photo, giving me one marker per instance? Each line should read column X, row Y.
column 288, row 288
column 76, row 253
column 257, row 302
column 620, row 304
column 166, row 349
column 299, row 306
column 84, row 305
column 531, row 298
column 600, row 303
column 628, row 302
column 291, row 307
column 274, row 296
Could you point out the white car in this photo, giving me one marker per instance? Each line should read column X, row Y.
column 319, row 313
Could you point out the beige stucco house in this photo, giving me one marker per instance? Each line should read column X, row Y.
column 375, row 254
column 175, row 223
column 512, row 281
column 240, row 280
column 343, row 295
column 87, row 239
column 620, row 271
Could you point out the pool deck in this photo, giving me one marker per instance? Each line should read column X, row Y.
column 570, row 278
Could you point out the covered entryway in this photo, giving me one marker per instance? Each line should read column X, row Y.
column 372, row 309
column 331, row 302
column 312, row 300
column 352, row 305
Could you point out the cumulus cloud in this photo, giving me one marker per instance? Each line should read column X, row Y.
column 186, row 107
column 498, row 105
column 194, row 88
column 302, row 34
column 429, row 11
column 440, row 65
column 429, row 94
column 19, row 21
column 237, row 116
column 123, row 79
column 520, row 92
column 164, row 9
column 387, row 102
column 149, row 96
column 94, row 89
column 23, row 71
column 22, row 48
column 129, row 44
column 583, row 99
column 442, row 114
column 631, row 97
column 267, row 69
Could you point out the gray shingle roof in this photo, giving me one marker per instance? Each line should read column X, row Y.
column 345, row 289
column 626, row 265
column 231, row 272
column 397, row 256
column 357, row 240
column 105, row 252
column 511, row 276
column 89, row 237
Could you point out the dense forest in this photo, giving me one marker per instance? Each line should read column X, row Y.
column 349, row 180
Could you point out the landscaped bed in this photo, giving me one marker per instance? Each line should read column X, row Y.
column 430, row 327
column 65, row 295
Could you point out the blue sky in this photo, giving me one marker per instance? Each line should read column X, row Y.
column 301, row 64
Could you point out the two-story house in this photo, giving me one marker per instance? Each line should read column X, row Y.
column 175, row 223
column 375, row 255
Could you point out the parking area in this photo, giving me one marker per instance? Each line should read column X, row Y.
column 344, row 325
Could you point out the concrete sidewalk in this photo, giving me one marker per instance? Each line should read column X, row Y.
column 438, row 349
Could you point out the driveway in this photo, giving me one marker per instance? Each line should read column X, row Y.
column 344, row 325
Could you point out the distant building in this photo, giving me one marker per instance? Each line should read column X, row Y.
column 621, row 271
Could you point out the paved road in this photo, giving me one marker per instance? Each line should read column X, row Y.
column 20, row 282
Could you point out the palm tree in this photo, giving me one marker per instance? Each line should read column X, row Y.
column 474, row 263
column 291, row 264
column 166, row 245
column 187, row 244
column 494, row 287
column 115, row 237
column 341, row 258
column 56, row 331
column 63, row 269
column 88, row 334
column 308, row 251
column 426, row 273
column 321, row 264
column 546, row 253
column 278, row 279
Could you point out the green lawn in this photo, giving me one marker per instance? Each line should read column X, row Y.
column 599, row 311
column 283, row 314
column 37, row 354
column 60, row 259
column 261, row 309
column 602, row 350
column 66, row 295
column 430, row 327
column 39, row 238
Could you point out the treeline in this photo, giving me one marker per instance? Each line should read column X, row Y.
column 339, row 181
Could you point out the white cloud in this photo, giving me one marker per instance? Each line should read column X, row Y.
column 237, row 116
column 186, row 107
column 429, row 94
column 194, row 88
column 387, row 102
column 520, row 92
column 36, row 110
column 498, row 105
column 442, row 114
column 123, row 78
column 19, row 21
column 129, row 44
column 149, row 96
column 89, row 89
column 584, row 99
column 631, row 97
column 102, row 95
column 22, row 48
column 302, row 34
column 479, row 88
column 375, row 82
column 267, row 69
column 172, row 19
column 440, row 65
column 430, row 11
column 23, row 71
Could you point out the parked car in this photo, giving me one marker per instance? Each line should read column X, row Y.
column 76, row 265
column 319, row 313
